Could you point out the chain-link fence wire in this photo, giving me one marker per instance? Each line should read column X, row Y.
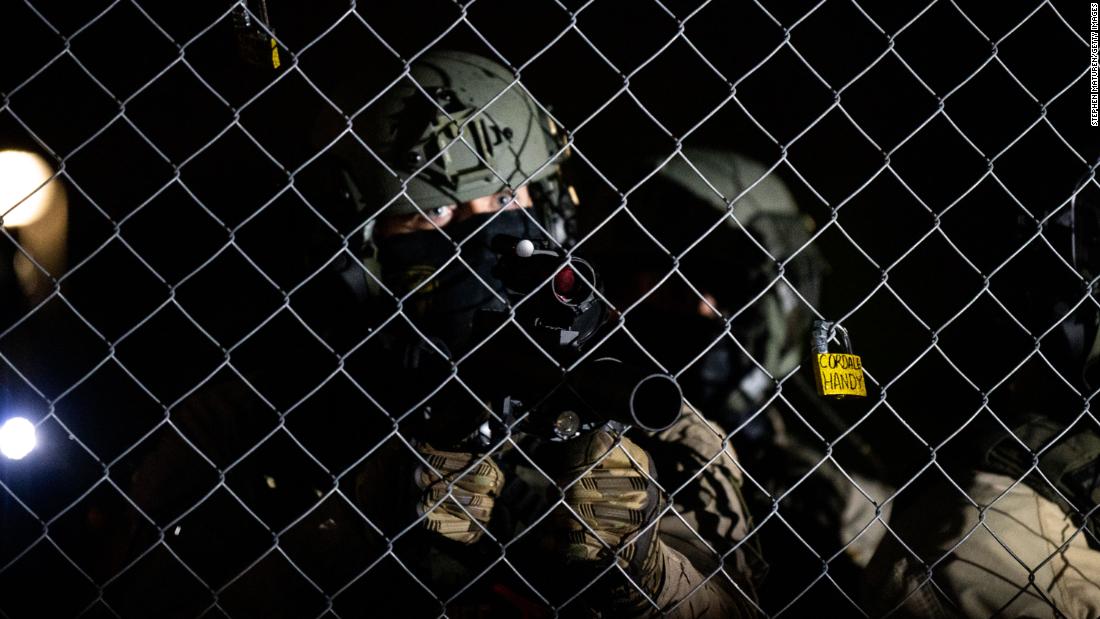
column 195, row 369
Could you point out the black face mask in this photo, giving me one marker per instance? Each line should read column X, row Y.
column 448, row 299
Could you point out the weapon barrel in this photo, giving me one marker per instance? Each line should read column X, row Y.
column 624, row 393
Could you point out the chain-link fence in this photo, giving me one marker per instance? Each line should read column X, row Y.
column 196, row 320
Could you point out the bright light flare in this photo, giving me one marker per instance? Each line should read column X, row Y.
column 17, row 438
column 24, row 180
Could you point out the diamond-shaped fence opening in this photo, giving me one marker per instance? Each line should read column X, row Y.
column 277, row 339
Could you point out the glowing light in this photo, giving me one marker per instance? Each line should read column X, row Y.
column 17, row 438
column 24, row 180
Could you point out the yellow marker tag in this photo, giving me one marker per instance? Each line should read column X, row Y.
column 274, row 53
column 839, row 374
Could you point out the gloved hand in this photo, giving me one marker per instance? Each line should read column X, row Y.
column 620, row 505
column 613, row 497
column 447, row 478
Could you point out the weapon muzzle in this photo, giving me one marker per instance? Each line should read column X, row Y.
column 625, row 393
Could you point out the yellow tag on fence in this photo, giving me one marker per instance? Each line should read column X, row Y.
column 839, row 374
column 274, row 54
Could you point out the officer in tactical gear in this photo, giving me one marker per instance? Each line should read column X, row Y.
column 1016, row 533
column 455, row 170
column 734, row 222
column 737, row 332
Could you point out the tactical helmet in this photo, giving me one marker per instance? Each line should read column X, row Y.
column 456, row 128
column 716, row 175
column 770, row 214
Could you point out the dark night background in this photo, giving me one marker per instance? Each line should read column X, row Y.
column 197, row 195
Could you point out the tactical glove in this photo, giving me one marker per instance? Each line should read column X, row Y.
column 458, row 502
column 618, row 502
column 613, row 501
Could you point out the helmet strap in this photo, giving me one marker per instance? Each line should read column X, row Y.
column 555, row 208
